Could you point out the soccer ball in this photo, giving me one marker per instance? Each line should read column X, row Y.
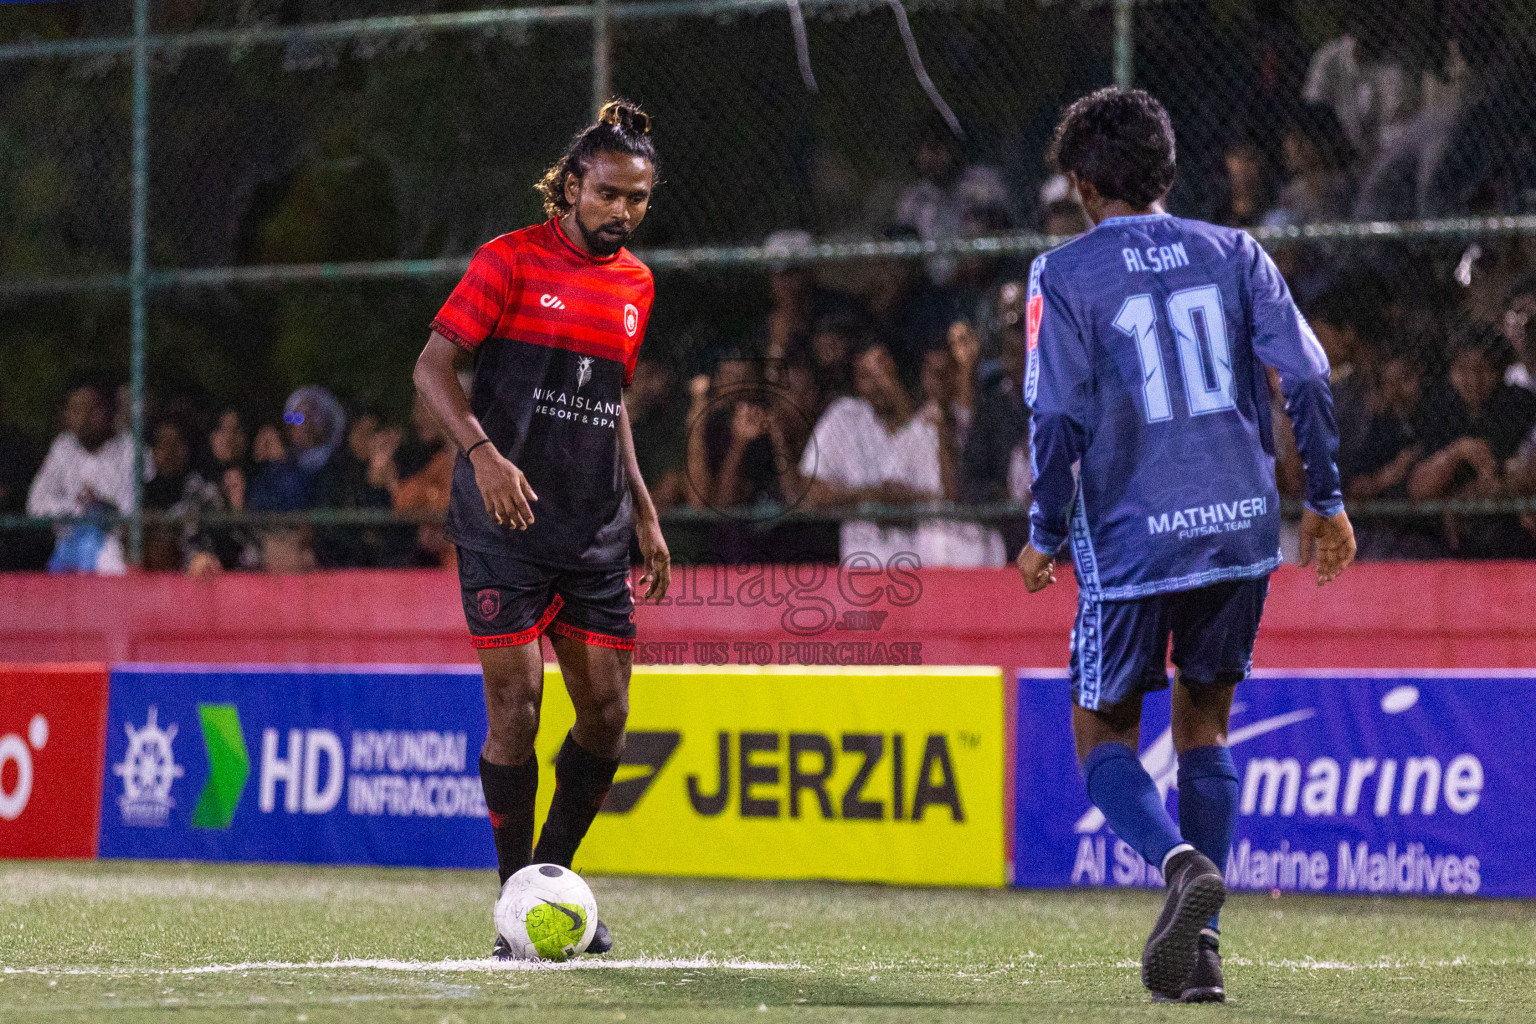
column 546, row 912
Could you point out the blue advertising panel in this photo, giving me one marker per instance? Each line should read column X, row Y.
column 1415, row 784
column 372, row 765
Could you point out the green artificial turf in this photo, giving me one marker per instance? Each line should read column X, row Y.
column 179, row 942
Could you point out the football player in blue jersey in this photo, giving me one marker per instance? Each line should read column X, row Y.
column 1148, row 341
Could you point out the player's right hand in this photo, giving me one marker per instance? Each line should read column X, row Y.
column 1331, row 540
column 503, row 487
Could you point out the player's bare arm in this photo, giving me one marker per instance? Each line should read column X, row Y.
column 653, row 546
column 504, row 488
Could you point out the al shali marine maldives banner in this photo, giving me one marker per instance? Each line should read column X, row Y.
column 1350, row 783
column 890, row 774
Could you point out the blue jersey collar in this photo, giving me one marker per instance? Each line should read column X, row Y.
column 1134, row 218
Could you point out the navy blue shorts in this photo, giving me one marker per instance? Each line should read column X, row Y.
column 1120, row 648
column 509, row 601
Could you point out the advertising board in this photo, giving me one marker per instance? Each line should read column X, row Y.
column 52, row 728
column 1415, row 784
column 889, row 774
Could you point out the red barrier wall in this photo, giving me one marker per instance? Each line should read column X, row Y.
column 1385, row 615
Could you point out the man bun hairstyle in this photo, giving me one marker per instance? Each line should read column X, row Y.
column 621, row 127
column 1120, row 141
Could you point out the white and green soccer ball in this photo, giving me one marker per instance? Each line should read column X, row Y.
column 546, row 912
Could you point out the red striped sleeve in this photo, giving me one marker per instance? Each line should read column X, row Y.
column 476, row 306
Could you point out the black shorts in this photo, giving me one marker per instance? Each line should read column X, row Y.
column 509, row 601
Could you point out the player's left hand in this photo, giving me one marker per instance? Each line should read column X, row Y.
column 658, row 560
column 1037, row 569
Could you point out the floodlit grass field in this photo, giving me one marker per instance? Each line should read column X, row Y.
column 128, row 942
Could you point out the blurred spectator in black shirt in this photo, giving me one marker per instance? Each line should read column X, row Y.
column 226, row 463
column 796, row 303
column 1479, row 424
column 658, row 421
column 907, row 311
column 1063, row 218
column 227, row 458
column 994, row 464
column 730, row 455
column 421, row 445
column 1346, row 318
column 830, row 357
column 1247, row 195
column 362, row 475
column 180, row 490
column 978, row 276
column 1379, row 465
column 1318, row 158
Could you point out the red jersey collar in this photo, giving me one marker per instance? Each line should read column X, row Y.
column 577, row 250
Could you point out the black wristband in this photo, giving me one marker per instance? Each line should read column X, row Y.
column 468, row 451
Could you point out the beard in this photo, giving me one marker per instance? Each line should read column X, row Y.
column 605, row 239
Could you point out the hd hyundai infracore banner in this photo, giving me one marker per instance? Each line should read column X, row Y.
column 1349, row 783
column 889, row 774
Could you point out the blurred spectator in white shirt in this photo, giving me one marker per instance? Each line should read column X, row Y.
column 924, row 456
column 88, row 473
column 1369, row 91
column 845, row 461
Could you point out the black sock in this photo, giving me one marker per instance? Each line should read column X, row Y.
column 509, row 794
column 582, row 780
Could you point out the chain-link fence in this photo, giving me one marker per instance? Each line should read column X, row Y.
column 314, row 172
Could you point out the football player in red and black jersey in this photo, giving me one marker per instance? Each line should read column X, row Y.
column 546, row 489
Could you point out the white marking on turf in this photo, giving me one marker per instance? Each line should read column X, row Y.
column 642, row 963
column 426, row 966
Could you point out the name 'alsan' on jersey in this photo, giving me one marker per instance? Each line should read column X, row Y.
column 555, row 333
column 1148, row 339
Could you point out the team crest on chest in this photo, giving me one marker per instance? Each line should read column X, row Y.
column 583, row 370
column 631, row 319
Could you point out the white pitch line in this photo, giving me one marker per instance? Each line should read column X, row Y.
column 426, row 966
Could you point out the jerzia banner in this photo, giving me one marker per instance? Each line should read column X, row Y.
column 1350, row 783
column 890, row 775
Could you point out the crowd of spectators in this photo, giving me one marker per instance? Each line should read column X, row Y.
column 200, row 467
column 824, row 411
column 894, row 382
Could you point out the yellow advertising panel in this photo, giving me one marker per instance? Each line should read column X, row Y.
column 891, row 774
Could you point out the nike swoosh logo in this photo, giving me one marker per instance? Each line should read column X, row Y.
column 1161, row 762
column 576, row 921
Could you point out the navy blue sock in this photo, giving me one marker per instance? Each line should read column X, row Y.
column 1120, row 787
column 1208, row 802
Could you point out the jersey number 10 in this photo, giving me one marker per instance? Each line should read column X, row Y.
column 1200, row 334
